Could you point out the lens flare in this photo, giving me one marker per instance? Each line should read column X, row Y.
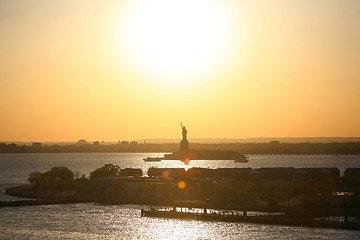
column 166, row 174
column 181, row 184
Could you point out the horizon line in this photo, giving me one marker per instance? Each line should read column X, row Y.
column 193, row 140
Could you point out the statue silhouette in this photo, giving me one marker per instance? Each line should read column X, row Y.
column 184, row 144
column 184, row 131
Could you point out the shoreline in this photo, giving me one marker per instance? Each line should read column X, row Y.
column 272, row 147
column 165, row 152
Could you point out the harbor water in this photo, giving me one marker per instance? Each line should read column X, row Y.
column 90, row 221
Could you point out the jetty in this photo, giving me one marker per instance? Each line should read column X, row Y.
column 244, row 216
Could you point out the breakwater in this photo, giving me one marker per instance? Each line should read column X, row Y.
column 37, row 202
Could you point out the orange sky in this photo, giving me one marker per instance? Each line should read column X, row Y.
column 112, row 70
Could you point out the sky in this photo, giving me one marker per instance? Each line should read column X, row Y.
column 134, row 69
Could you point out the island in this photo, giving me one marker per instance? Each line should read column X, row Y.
column 313, row 197
column 186, row 154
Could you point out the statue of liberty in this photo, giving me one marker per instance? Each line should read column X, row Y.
column 184, row 144
column 184, row 131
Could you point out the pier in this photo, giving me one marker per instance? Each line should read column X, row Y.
column 245, row 216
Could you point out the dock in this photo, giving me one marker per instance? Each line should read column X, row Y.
column 204, row 214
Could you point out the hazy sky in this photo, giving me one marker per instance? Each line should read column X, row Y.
column 133, row 69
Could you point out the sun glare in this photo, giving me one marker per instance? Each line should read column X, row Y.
column 176, row 42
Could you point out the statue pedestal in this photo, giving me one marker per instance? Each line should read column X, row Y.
column 184, row 145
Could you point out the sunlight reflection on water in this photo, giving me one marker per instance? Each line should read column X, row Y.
column 90, row 221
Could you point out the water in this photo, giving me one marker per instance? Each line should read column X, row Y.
column 90, row 221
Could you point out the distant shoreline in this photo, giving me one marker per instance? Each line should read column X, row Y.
column 210, row 140
column 272, row 148
column 250, row 154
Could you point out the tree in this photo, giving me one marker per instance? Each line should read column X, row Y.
column 35, row 178
column 108, row 170
column 60, row 174
column 60, row 177
column 55, row 178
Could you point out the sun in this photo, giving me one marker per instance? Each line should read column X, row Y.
column 176, row 42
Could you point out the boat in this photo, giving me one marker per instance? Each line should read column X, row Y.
column 152, row 159
column 243, row 159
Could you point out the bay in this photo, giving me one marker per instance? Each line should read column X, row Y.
column 90, row 221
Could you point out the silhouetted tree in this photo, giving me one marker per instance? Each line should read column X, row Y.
column 55, row 178
column 108, row 170
column 60, row 174
column 35, row 178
